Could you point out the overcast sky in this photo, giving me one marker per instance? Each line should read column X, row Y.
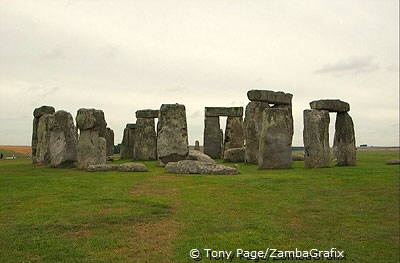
column 122, row 56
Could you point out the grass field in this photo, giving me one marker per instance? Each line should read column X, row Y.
column 67, row 215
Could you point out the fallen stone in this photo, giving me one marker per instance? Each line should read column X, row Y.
column 132, row 167
column 147, row 114
column 270, row 96
column 393, row 162
column 275, row 139
column 102, row 167
column 198, row 167
column 316, row 138
column 172, row 139
column 235, row 155
column 199, row 156
column 344, row 142
column 330, row 105
column 224, row 111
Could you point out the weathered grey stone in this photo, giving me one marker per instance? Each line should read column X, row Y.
column 37, row 113
column 344, row 143
column 145, row 139
column 316, row 138
column 289, row 108
column 393, row 162
column 234, row 155
column 147, row 113
column 330, row 105
column 102, row 167
column 297, row 158
column 110, row 141
column 234, row 137
column 172, row 140
column 212, row 137
column 92, row 147
column 127, row 150
column 91, row 119
column 198, row 167
column 132, row 167
column 224, row 111
column 275, row 146
column 42, row 156
column 63, row 139
column 252, row 129
column 270, row 96
column 197, row 145
column 199, row 156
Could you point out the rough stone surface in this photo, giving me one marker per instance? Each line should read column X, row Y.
column 212, row 137
column 234, row 137
column 145, row 139
column 127, row 150
column 42, row 156
column 297, row 158
column 330, row 105
column 224, row 111
column 316, row 138
column 172, row 140
column 252, row 129
column 198, row 167
column 344, row 143
column 199, row 156
column 197, row 145
column 234, row 155
column 110, row 141
column 92, row 147
column 102, row 167
column 37, row 113
column 275, row 147
column 63, row 139
column 132, row 167
column 147, row 113
column 393, row 162
column 270, row 96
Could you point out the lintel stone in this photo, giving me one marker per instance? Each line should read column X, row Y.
column 224, row 111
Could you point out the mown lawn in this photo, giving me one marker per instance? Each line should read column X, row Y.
column 67, row 215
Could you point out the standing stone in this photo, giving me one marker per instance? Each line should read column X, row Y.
column 145, row 142
column 234, row 137
column 43, row 140
column 63, row 139
column 110, row 141
column 92, row 143
column 316, row 138
column 252, row 129
column 172, row 140
column 212, row 137
column 344, row 143
column 197, row 145
column 128, row 142
column 275, row 146
column 37, row 113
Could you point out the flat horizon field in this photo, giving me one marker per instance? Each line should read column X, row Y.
column 70, row 215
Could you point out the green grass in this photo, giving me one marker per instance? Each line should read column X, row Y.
column 68, row 215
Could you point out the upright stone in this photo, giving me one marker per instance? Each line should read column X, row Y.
column 212, row 137
column 110, row 141
column 145, row 139
column 127, row 150
column 275, row 146
column 197, row 145
column 92, row 143
column 63, row 139
column 43, row 140
column 172, row 140
column 37, row 113
column 316, row 138
column 344, row 144
column 252, row 129
column 234, row 137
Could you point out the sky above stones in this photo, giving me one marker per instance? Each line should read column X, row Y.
column 122, row 56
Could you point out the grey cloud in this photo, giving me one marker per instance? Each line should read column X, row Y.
column 350, row 65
